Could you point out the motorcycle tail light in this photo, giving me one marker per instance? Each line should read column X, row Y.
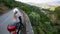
column 11, row 28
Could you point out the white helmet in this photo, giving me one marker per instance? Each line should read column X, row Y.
column 15, row 10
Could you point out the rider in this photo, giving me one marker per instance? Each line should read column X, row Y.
column 18, row 19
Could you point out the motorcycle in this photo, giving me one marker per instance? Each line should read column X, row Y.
column 13, row 28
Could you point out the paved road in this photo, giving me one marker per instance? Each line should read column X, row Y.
column 4, row 21
column 29, row 29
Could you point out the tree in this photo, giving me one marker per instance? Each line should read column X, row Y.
column 57, row 11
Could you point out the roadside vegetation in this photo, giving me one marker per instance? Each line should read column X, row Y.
column 41, row 23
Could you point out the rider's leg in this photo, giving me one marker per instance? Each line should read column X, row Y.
column 21, row 24
column 20, row 20
column 19, row 29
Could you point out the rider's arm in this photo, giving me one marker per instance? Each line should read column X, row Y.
column 14, row 16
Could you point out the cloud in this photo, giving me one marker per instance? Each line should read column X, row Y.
column 36, row 1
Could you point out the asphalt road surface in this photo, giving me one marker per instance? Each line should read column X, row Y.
column 5, row 19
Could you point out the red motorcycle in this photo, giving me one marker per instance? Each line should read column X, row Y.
column 13, row 28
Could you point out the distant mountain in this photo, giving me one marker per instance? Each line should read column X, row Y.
column 47, row 4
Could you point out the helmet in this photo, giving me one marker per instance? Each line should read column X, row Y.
column 15, row 11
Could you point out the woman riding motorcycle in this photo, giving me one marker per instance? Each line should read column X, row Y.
column 17, row 19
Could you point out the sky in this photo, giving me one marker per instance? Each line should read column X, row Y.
column 38, row 1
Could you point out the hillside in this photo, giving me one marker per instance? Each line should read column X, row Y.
column 3, row 9
column 41, row 23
